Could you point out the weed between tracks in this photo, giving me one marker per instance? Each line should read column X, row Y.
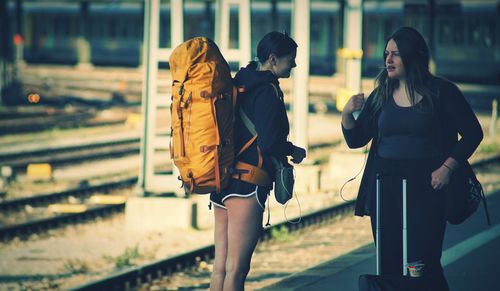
column 126, row 259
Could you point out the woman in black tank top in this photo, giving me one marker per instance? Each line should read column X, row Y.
column 413, row 119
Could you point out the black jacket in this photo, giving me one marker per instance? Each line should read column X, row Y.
column 268, row 113
column 452, row 116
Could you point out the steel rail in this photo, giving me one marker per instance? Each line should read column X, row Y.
column 13, row 156
column 74, row 154
column 63, row 121
column 48, row 198
column 23, row 230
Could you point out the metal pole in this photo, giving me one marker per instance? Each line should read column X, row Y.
column 405, row 231
column 300, row 106
column 177, row 27
column 378, row 231
column 353, row 31
column 222, row 25
column 274, row 15
column 244, row 33
column 6, row 47
column 18, row 52
column 149, row 87
column 84, row 51
column 218, row 23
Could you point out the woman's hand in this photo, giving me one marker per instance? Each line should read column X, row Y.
column 440, row 177
column 298, row 154
column 355, row 103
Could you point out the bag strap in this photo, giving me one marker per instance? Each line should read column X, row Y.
column 485, row 207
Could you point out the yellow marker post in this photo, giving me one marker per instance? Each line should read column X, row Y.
column 39, row 171
column 67, row 208
column 108, row 199
column 134, row 120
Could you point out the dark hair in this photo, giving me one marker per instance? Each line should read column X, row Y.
column 415, row 56
column 277, row 43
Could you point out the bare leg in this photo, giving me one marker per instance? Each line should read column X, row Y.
column 244, row 228
column 220, row 239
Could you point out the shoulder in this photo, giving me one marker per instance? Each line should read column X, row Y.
column 269, row 91
column 445, row 86
column 373, row 95
column 370, row 102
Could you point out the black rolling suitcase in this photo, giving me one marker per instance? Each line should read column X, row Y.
column 384, row 282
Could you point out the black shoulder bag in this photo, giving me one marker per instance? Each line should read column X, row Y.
column 463, row 196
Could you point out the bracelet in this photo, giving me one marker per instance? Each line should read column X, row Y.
column 451, row 170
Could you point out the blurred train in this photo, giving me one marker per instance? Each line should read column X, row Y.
column 464, row 36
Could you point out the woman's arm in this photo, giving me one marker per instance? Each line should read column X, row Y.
column 458, row 116
column 358, row 132
column 271, row 123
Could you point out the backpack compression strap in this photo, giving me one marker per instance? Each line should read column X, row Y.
column 244, row 171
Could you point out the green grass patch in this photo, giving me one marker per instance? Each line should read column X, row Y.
column 282, row 234
column 126, row 259
column 76, row 266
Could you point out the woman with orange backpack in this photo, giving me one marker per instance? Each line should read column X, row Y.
column 238, row 209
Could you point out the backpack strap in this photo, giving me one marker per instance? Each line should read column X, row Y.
column 276, row 162
column 244, row 171
column 251, row 127
column 252, row 174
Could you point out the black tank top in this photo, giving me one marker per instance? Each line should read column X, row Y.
column 406, row 132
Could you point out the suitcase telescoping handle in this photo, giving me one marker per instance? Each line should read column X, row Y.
column 378, row 231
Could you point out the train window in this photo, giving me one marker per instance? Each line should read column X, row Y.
column 388, row 27
column 458, row 32
column 97, row 27
column 112, row 28
column 481, row 32
column 489, row 33
column 123, row 27
column 64, row 27
column 371, row 37
column 445, row 32
column 473, row 31
column 58, row 26
column 45, row 28
column 165, row 30
column 234, row 27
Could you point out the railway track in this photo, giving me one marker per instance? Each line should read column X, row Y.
column 67, row 154
column 36, row 222
column 145, row 276
column 84, row 211
column 14, row 122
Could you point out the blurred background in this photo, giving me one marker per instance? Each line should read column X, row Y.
column 84, row 132
column 463, row 35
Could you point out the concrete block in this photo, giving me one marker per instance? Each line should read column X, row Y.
column 146, row 214
column 307, row 179
column 343, row 166
column 203, row 217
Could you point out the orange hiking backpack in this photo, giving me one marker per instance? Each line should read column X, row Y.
column 202, row 110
